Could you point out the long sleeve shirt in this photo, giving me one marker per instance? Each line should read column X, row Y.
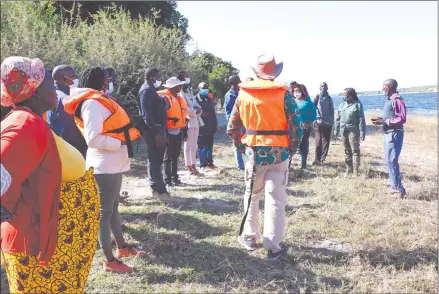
column 152, row 108
column 229, row 101
column 307, row 111
column 400, row 111
column 105, row 154
column 266, row 155
column 325, row 108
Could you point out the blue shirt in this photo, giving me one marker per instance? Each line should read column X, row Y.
column 229, row 101
column 307, row 109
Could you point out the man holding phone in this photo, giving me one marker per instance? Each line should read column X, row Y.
column 393, row 120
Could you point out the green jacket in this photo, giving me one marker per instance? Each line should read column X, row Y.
column 350, row 118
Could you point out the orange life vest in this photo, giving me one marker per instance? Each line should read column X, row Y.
column 117, row 125
column 177, row 112
column 262, row 112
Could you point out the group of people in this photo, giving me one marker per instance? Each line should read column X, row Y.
column 67, row 142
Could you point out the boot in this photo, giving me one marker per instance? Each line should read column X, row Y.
column 348, row 171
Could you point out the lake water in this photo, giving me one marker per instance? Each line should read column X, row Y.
column 419, row 104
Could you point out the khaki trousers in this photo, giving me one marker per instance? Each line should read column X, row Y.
column 274, row 179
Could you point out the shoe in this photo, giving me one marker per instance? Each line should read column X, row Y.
column 274, row 256
column 128, row 252
column 176, row 182
column 241, row 169
column 316, row 162
column 356, row 172
column 117, row 266
column 249, row 243
column 212, row 166
column 348, row 172
column 303, row 167
column 168, row 199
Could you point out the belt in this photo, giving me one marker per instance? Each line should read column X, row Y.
column 267, row 133
column 393, row 131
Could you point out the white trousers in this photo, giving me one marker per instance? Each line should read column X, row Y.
column 190, row 146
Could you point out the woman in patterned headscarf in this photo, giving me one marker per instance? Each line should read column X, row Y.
column 50, row 213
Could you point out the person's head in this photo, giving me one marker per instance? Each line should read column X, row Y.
column 323, row 88
column 184, row 77
column 174, row 85
column 95, row 77
column 26, row 82
column 350, row 94
column 203, row 88
column 153, row 77
column 249, row 79
column 234, row 81
column 292, row 85
column 267, row 68
column 390, row 87
column 65, row 76
column 300, row 92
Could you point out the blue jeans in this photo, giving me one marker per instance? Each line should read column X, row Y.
column 205, row 150
column 238, row 157
column 392, row 148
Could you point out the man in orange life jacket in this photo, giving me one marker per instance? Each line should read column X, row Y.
column 271, row 118
column 177, row 112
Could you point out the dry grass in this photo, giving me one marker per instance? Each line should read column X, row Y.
column 344, row 235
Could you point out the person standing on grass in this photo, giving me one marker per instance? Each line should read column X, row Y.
column 62, row 123
column 230, row 99
column 350, row 124
column 393, row 120
column 152, row 108
column 271, row 118
column 193, row 126
column 207, row 132
column 308, row 115
column 176, row 114
column 108, row 132
column 323, row 124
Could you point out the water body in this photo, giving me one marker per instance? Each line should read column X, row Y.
column 419, row 104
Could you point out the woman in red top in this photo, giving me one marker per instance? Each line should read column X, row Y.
column 49, row 238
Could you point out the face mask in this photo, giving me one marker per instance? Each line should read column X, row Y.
column 75, row 84
column 188, row 81
column 157, row 84
column 204, row 92
column 110, row 88
column 297, row 95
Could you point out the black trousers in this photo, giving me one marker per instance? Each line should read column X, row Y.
column 172, row 153
column 155, row 162
column 323, row 138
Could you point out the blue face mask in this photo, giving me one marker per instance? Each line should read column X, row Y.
column 188, row 81
column 204, row 92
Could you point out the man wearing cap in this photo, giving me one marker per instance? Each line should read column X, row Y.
column 177, row 111
column 230, row 99
column 267, row 111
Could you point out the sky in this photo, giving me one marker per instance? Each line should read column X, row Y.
column 345, row 44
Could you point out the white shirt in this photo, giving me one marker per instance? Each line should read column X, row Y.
column 105, row 154
column 5, row 180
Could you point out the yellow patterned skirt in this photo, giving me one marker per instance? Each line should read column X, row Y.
column 78, row 228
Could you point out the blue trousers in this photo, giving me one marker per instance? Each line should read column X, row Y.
column 392, row 148
column 205, row 150
column 238, row 157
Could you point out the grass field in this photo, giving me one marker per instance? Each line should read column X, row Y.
column 344, row 235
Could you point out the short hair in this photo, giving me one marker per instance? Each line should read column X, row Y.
column 93, row 77
column 149, row 72
column 351, row 92
column 393, row 83
column 111, row 71
column 180, row 75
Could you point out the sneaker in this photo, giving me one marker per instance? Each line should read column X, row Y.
column 176, row 182
column 212, row 166
column 128, row 252
column 117, row 266
column 316, row 162
column 249, row 243
column 274, row 256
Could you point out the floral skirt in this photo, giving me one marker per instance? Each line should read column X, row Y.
column 78, row 227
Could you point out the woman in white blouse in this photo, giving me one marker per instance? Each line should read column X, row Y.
column 194, row 124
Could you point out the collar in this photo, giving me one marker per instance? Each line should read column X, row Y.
column 394, row 96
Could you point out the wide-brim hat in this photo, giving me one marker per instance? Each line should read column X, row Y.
column 173, row 82
column 267, row 68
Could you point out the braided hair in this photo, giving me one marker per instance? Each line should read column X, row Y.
column 93, row 77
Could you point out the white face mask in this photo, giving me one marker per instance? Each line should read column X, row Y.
column 110, row 88
column 188, row 81
column 297, row 95
column 75, row 84
column 157, row 84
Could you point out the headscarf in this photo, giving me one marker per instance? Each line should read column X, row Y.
column 20, row 77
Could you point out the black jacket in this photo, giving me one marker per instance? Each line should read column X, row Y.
column 152, row 109
column 210, row 122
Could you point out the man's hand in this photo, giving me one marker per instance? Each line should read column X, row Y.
column 204, row 113
column 378, row 121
